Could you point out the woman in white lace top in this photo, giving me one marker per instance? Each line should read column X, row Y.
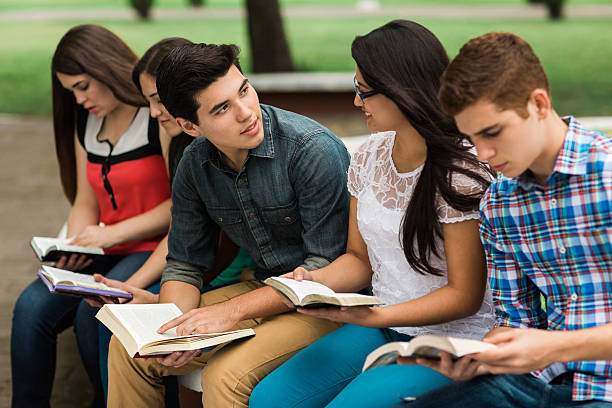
column 413, row 235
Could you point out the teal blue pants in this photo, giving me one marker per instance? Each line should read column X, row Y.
column 328, row 373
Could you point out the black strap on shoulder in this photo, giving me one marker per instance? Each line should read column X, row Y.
column 154, row 135
column 81, row 125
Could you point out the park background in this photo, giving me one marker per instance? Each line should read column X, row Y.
column 576, row 52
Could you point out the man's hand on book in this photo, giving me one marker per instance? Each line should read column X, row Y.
column 74, row 262
column 208, row 319
column 96, row 236
column 360, row 315
column 463, row 369
column 299, row 274
column 520, row 351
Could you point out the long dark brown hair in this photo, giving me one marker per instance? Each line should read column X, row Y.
column 149, row 64
column 404, row 61
column 95, row 51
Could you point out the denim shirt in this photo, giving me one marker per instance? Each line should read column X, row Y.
column 287, row 207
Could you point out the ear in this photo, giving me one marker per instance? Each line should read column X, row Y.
column 541, row 102
column 188, row 127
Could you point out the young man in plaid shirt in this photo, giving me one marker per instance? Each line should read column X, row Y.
column 546, row 228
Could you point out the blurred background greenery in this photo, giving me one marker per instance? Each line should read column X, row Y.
column 576, row 52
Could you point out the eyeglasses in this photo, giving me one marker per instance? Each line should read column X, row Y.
column 105, row 171
column 362, row 95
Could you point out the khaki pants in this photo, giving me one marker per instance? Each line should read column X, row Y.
column 230, row 371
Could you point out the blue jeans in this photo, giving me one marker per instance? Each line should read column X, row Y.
column 40, row 316
column 328, row 373
column 502, row 391
column 104, row 336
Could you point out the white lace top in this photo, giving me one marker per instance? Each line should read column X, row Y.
column 382, row 197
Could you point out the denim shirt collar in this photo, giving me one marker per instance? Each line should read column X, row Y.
column 265, row 148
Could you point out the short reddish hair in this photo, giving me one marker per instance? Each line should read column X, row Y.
column 498, row 67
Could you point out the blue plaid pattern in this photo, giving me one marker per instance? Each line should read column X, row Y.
column 554, row 239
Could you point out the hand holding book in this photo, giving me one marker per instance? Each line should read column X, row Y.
column 135, row 327
column 63, row 282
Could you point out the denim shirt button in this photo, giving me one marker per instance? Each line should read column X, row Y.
column 288, row 219
column 266, row 250
column 251, row 215
column 220, row 219
column 240, row 181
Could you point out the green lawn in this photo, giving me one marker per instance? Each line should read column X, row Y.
column 575, row 53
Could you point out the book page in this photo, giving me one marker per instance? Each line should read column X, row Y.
column 61, row 276
column 305, row 287
column 468, row 346
column 63, row 244
column 143, row 320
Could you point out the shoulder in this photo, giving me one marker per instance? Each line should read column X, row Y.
column 599, row 157
column 497, row 196
column 197, row 148
column 298, row 130
column 374, row 147
column 467, row 184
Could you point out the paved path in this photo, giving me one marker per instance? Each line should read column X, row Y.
column 451, row 11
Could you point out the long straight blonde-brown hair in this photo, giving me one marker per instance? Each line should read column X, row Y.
column 96, row 51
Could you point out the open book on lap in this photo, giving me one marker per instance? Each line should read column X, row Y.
column 313, row 294
column 50, row 249
column 63, row 282
column 428, row 346
column 135, row 326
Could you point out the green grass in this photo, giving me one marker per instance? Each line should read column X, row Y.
column 575, row 53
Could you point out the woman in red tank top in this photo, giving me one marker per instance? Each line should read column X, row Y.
column 114, row 175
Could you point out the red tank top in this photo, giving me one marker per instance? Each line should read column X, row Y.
column 136, row 174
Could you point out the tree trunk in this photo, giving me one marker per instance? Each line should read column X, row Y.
column 143, row 8
column 555, row 9
column 269, row 49
column 196, row 3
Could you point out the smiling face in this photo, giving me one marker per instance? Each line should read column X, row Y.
column 229, row 115
column 510, row 143
column 380, row 112
column 93, row 95
column 158, row 110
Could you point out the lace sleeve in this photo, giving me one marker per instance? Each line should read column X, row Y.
column 465, row 185
column 358, row 169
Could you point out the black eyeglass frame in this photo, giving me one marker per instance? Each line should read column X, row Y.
column 362, row 95
column 105, row 171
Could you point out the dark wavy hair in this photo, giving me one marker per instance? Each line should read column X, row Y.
column 188, row 70
column 93, row 50
column 404, row 61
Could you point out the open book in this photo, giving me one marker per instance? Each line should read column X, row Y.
column 428, row 346
column 63, row 282
column 50, row 249
column 136, row 328
column 313, row 294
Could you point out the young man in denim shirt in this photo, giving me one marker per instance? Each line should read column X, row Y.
column 275, row 182
column 545, row 224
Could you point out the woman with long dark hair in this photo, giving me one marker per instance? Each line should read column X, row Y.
column 415, row 186
column 114, row 176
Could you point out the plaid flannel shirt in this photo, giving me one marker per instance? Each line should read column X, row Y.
column 554, row 239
